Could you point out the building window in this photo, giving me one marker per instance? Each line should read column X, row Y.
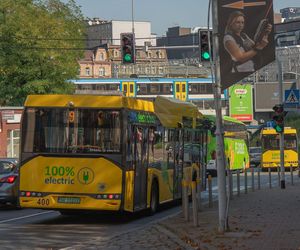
column 160, row 70
column 13, row 142
column 101, row 57
column 116, row 54
column 101, row 71
column 87, row 71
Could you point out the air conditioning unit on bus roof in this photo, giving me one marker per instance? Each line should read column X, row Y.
column 99, row 92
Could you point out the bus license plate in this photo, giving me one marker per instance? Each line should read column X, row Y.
column 69, row 200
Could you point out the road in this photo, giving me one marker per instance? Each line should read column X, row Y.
column 32, row 228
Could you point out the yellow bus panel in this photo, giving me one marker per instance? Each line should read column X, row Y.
column 92, row 180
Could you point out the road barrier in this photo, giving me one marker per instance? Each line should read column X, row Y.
column 199, row 189
column 194, row 202
column 270, row 178
column 238, row 183
column 210, row 199
column 230, row 184
column 292, row 176
column 185, row 200
column 258, row 177
column 246, row 184
column 252, row 178
column 278, row 171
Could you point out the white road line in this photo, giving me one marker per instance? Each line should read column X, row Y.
column 24, row 217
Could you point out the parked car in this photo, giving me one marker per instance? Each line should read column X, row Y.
column 9, row 173
column 255, row 156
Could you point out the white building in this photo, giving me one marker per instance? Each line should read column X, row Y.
column 101, row 32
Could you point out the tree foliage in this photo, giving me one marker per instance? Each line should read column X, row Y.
column 40, row 43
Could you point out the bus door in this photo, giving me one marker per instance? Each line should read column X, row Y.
column 140, row 167
column 180, row 91
column 178, row 166
column 128, row 88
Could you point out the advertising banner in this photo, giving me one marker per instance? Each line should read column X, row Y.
column 246, row 42
column 241, row 102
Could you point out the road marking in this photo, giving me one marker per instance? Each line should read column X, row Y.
column 24, row 217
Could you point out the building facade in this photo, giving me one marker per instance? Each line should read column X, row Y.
column 105, row 62
column 109, row 32
column 10, row 118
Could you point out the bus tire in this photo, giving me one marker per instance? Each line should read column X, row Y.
column 154, row 199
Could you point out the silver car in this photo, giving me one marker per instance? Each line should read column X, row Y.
column 8, row 181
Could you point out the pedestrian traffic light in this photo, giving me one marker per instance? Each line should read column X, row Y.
column 127, row 48
column 205, row 54
column 278, row 118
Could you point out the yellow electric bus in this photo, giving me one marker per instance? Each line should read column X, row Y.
column 112, row 153
column 271, row 148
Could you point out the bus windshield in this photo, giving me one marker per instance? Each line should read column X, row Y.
column 272, row 141
column 66, row 130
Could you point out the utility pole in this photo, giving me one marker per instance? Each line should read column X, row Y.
column 223, row 220
column 281, row 135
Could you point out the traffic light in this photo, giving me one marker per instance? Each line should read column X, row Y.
column 278, row 118
column 127, row 48
column 204, row 45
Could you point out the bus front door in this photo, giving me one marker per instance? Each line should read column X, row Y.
column 128, row 88
column 178, row 166
column 141, row 166
column 180, row 91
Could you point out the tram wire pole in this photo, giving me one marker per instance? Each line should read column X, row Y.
column 281, row 135
column 223, row 206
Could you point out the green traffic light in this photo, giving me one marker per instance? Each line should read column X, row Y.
column 206, row 55
column 279, row 129
column 127, row 58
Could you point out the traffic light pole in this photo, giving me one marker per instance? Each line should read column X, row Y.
column 281, row 135
column 223, row 220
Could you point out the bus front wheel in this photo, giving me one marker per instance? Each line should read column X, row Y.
column 154, row 200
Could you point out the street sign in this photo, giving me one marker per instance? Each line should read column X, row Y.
column 292, row 97
column 244, row 27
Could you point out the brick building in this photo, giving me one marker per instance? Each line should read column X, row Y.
column 10, row 118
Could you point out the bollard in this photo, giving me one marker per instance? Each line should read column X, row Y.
column 210, row 200
column 278, row 172
column 246, row 184
column 252, row 178
column 238, row 183
column 298, row 170
column 194, row 202
column 270, row 183
column 199, row 194
column 230, row 185
column 292, row 176
column 185, row 200
column 258, row 177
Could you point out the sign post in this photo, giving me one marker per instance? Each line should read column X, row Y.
column 223, row 216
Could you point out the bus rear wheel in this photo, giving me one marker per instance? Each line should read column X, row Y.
column 154, row 200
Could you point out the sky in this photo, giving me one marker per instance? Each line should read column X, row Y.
column 161, row 13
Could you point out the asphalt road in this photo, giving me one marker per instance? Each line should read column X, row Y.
column 44, row 229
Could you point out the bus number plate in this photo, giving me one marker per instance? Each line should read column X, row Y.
column 69, row 200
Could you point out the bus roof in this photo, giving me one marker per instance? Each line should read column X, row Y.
column 88, row 101
column 170, row 111
column 271, row 131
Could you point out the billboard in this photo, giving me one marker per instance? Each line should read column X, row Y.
column 246, row 42
column 241, row 102
column 267, row 95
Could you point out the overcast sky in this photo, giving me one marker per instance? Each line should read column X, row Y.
column 161, row 13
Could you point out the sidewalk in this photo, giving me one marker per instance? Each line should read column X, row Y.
column 264, row 219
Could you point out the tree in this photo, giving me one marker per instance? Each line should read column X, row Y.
column 40, row 43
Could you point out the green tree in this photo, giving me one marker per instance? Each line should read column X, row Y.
column 40, row 43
